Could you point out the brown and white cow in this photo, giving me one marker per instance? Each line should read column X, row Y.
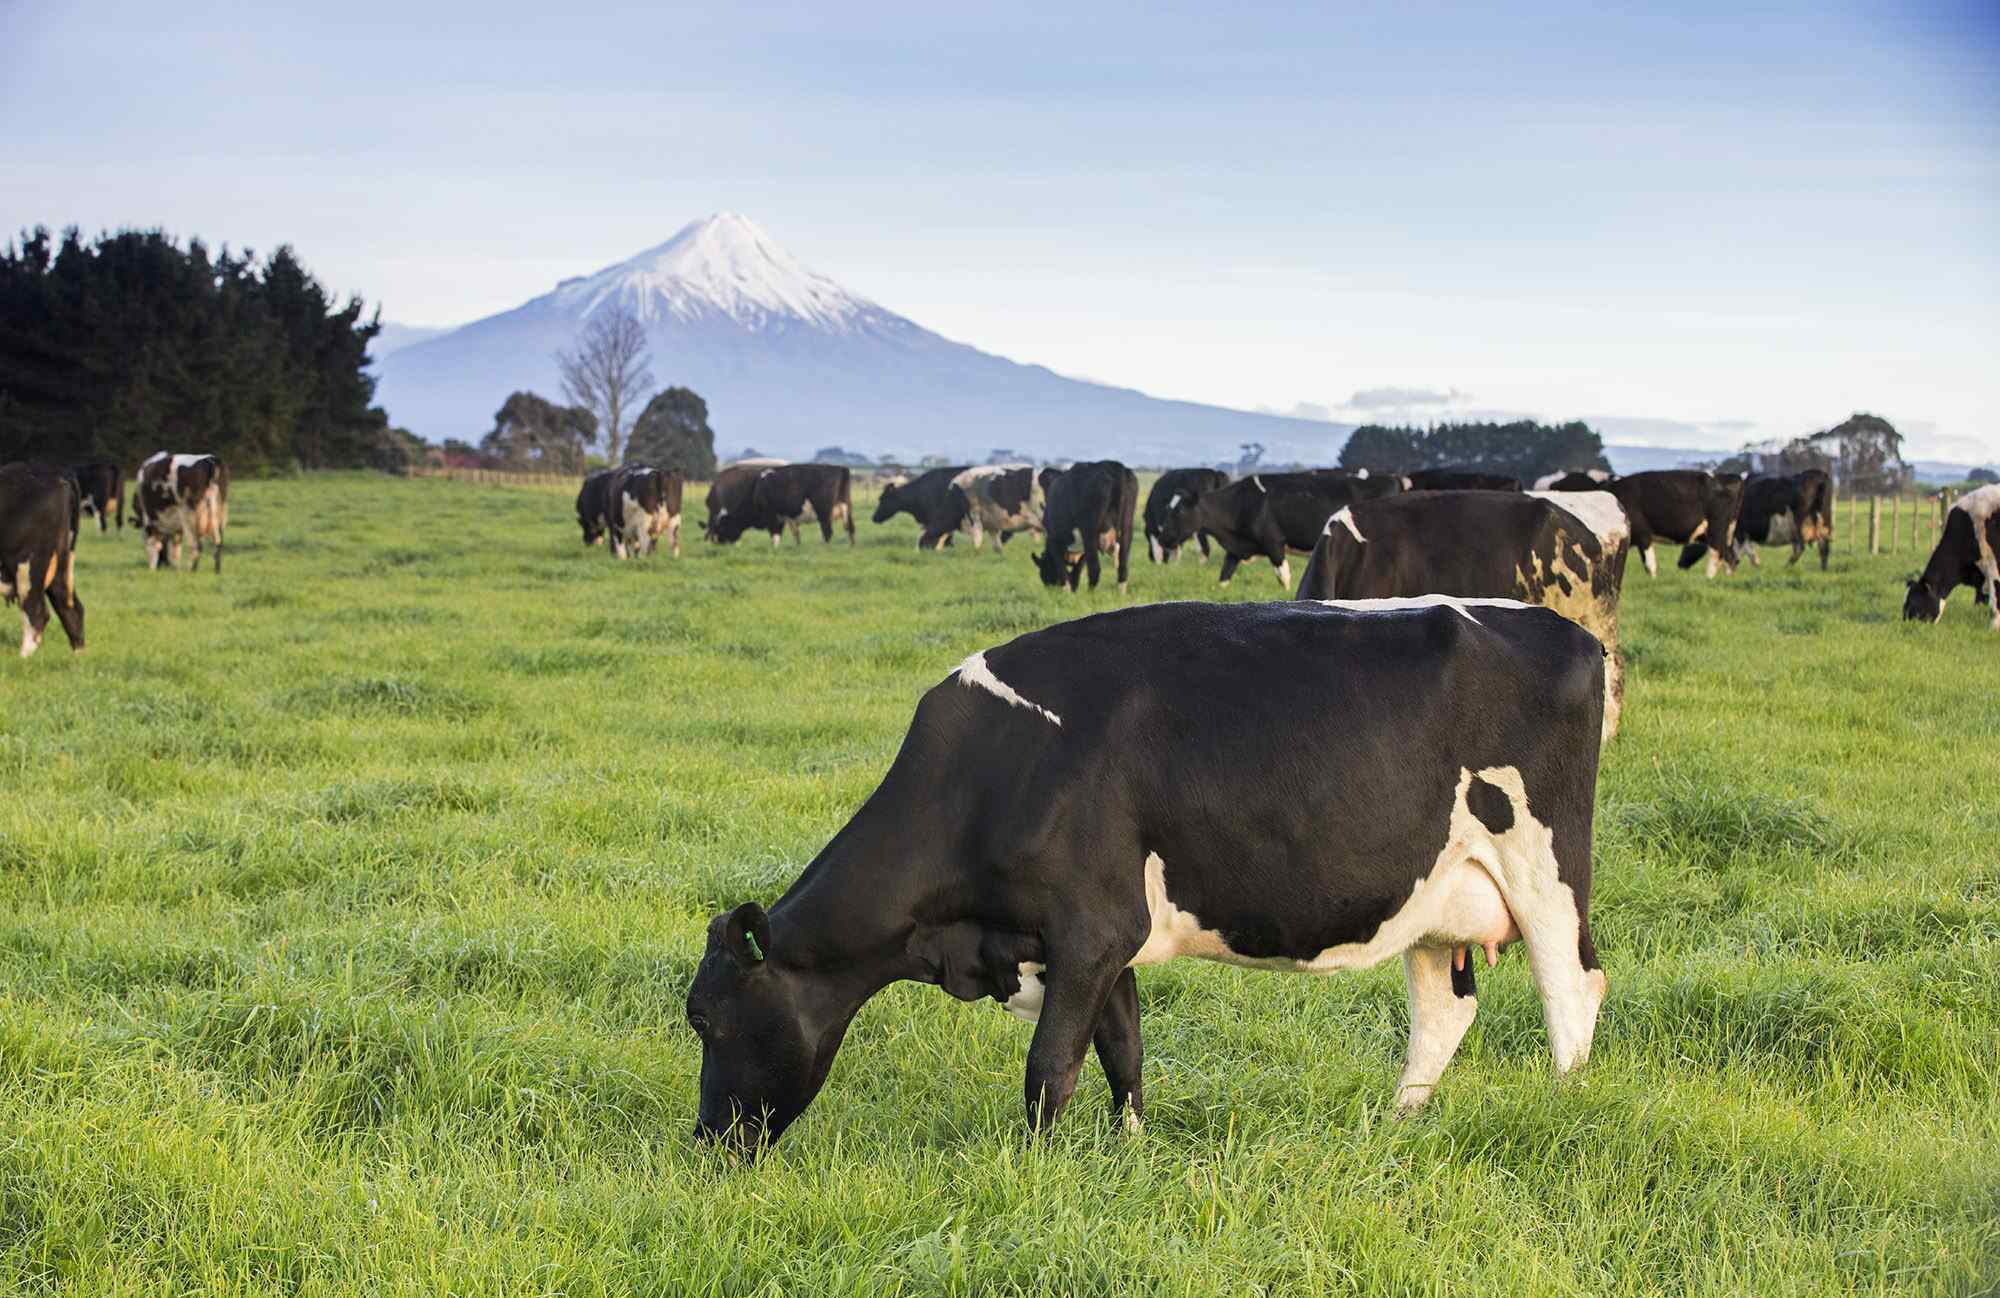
column 182, row 500
column 1564, row 550
column 999, row 498
column 40, row 508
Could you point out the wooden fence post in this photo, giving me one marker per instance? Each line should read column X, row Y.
column 1895, row 510
column 1874, row 525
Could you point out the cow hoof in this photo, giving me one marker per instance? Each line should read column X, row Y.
column 1134, row 1124
column 1410, row 1101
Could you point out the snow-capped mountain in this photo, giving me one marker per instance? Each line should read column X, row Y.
column 789, row 361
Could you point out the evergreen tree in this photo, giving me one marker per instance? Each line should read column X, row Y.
column 673, row 433
column 532, row 434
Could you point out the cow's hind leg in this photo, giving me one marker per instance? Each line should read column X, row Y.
column 62, row 594
column 1439, row 1017
column 1552, row 923
column 1120, row 1050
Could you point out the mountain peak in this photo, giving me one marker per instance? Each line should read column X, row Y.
column 723, row 264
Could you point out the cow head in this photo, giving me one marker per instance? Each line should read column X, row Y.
column 1054, row 563
column 1922, row 602
column 885, row 509
column 728, row 525
column 1175, row 526
column 765, row 1051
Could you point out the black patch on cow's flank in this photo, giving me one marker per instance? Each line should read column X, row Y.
column 1491, row 805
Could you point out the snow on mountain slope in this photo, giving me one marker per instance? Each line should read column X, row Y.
column 789, row 361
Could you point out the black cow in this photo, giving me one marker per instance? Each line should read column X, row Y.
column 1461, row 480
column 1271, row 514
column 40, row 511
column 997, row 498
column 779, row 497
column 1564, row 551
column 640, row 503
column 181, row 499
column 1681, row 505
column 929, row 499
column 1174, row 486
column 102, row 486
column 1967, row 553
column 1087, row 505
column 730, row 493
column 590, row 511
column 1778, row 509
column 1100, row 795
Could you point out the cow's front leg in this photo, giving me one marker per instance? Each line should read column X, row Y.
column 1076, row 987
column 1439, row 1017
column 1282, row 568
column 1229, row 562
column 1120, row 1050
column 1652, row 564
column 1095, row 563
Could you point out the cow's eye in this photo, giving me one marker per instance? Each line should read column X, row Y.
column 699, row 1022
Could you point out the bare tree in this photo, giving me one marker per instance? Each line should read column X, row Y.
column 607, row 373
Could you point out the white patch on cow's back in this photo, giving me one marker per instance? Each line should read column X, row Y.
column 1027, row 1002
column 1346, row 519
column 1398, row 603
column 974, row 673
column 1980, row 506
column 1173, row 502
column 1597, row 510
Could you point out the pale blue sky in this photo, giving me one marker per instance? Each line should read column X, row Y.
column 1730, row 220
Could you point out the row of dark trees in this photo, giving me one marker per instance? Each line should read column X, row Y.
column 1522, row 449
column 115, row 347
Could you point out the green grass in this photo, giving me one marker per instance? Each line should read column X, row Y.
column 348, row 903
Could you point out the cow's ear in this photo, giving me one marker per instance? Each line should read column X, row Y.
column 747, row 934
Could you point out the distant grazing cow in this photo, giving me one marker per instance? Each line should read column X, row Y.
column 1574, row 480
column 181, row 501
column 40, row 511
column 103, row 490
column 1292, row 786
column 1967, row 553
column 1174, row 487
column 782, row 496
column 640, row 503
column 1562, row 550
column 730, row 493
column 1681, row 505
column 1089, row 503
column 590, row 511
column 1461, row 480
column 998, row 498
column 929, row 499
column 1778, row 510
column 1271, row 515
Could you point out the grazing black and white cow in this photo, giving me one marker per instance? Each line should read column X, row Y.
column 40, row 511
column 780, row 497
column 1575, row 481
column 1562, row 550
column 181, row 501
column 998, row 498
column 1795, row 509
column 1460, row 480
column 1087, row 505
column 641, row 503
column 102, row 486
column 1100, row 795
column 1681, row 505
column 929, row 499
column 1967, row 553
column 1173, row 488
column 590, row 510
column 1271, row 514
column 730, row 493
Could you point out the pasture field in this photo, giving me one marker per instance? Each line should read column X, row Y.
column 348, row 903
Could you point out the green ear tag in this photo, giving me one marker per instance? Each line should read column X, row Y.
column 756, row 952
